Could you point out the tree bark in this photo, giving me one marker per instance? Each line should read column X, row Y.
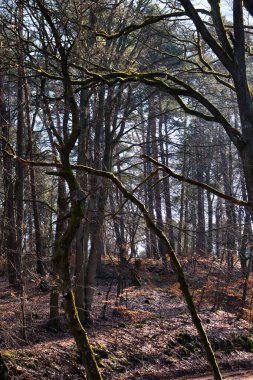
column 9, row 235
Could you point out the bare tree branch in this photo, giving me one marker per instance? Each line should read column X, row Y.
column 203, row 185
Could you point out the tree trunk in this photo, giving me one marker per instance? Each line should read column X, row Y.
column 60, row 227
column 80, row 269
column 82, row 237
column 182, row 210
column 156, row 186
column 164, row 152
column 9, row 235
column 200, row 214
column 81, row 338
column 218, row 219
column 230, row 208
column 96, row 236
column 19, row 169
column 209, row 215
column 41, row 270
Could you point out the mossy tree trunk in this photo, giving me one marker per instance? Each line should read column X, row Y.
column 63, row 244
column 62, row 267
column 61, row 258
column 81, row 338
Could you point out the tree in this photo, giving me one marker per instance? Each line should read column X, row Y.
column 232, row 56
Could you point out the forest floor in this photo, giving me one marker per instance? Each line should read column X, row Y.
column 150, row 336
